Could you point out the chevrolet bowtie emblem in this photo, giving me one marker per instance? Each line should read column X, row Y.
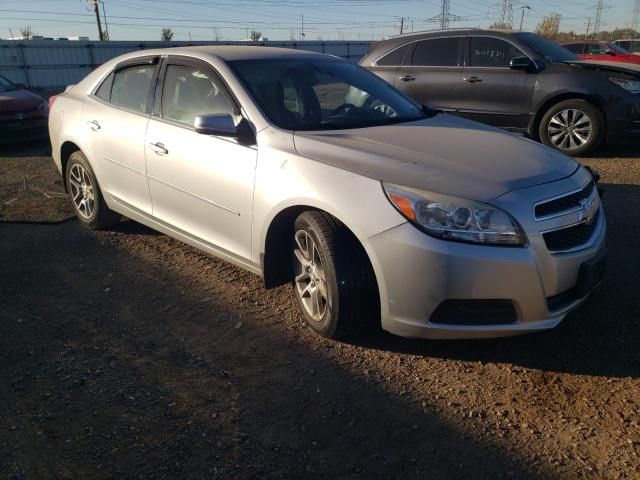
column 589, row 210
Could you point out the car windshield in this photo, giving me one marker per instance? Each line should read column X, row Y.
column 6, row 85
column 550, row 51
column 324, row 94
column 617, row 48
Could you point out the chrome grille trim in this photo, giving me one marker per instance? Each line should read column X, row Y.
column 593, row 192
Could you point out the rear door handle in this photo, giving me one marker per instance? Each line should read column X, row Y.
column 94, row 125
column 407, row 78
column 472, row 79
column 159, row 148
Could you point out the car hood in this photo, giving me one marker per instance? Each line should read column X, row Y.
column 442, row 154
column 630, row 68
column 19, row 100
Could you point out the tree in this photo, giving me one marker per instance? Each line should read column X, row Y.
column 549, row 26
column 499, row 26
column 255, row 36
column 26, row 33
column 167, row 34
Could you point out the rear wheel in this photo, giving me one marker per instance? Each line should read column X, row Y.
column 574, row 127
column 87, row 199
column 334, row 283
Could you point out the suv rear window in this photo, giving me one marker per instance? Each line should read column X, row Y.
column 395, row 57
column 437, row 52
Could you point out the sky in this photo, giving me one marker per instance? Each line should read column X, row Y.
column 284, row 19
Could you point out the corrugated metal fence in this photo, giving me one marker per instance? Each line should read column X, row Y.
column 52, row 64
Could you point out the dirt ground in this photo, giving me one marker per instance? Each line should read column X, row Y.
column 126, row 354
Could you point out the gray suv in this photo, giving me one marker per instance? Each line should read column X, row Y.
column 514, row 80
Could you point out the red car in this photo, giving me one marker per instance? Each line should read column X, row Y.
column 23, row 114
column 601, row 51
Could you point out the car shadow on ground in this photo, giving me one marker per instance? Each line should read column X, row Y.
column 135, row 371
column 36, row 148
column 600, row 338
column 622, row 150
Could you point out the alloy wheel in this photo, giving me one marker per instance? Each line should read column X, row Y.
column 310, row 279
column 570, row 129
column 82, row 191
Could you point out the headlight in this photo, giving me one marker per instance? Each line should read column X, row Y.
column 632, row 86
column 453, row 218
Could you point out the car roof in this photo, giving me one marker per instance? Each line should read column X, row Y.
column 575, row 42
column 233, row 52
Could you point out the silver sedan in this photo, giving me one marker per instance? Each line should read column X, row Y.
column 306, row 169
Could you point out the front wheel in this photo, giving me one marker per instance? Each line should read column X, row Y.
column 334, row 283
column 574, row 127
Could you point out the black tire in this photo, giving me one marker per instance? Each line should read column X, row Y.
column 353, row 302
column 570, row 145
column 98, row 217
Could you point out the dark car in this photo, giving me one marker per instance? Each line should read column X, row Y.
column 602, row 51
column 515, row 80
column 23, row 114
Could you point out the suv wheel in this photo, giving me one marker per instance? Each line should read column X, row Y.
column 334, row 283
column 574, row 127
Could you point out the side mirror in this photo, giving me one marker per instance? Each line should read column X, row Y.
column 218, row 125
column 522, row 63
column 224, row 126
column 22, row 86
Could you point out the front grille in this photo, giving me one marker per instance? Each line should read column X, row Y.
column 571, row 237
column 563, row 204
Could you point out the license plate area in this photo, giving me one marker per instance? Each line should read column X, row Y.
column 591, row 274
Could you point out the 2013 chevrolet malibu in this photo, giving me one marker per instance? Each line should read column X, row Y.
column 307, row 169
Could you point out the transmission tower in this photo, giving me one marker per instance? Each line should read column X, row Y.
column 444, row 18
column 506, row 17
column 596, row 24
column 444, row 14
column 636, row 16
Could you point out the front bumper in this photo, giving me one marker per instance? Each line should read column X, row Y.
column 623, row 119
column 417, row 273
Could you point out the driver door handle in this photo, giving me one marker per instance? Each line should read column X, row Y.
column 159, row 148
column 407, row 78
column 472, row 79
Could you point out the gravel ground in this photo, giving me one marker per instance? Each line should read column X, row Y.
column 126, row 354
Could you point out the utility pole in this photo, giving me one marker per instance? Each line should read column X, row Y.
column 106, row 25
column 596, row 24
column 524, row 7
column 96, row 9
column 302, row 27
column 444, row 14
column 401, row 25
column 635, row 17
column 586, row 35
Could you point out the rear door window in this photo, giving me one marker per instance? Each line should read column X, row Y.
column 131, row 87
column 492, row 52
column 437, row 52
column 395, row 57
column 577, row 48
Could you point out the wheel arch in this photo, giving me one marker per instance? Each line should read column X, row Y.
column 562, row 97
column 275, row 256
column 66, row 149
